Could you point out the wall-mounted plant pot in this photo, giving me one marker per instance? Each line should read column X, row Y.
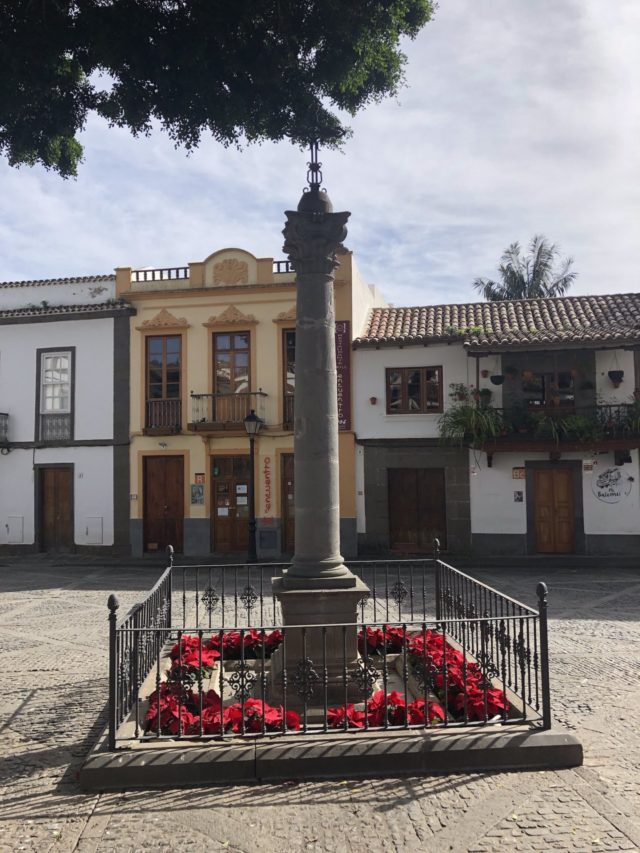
column 484, row 373
column 373, row 400
column 616, row 377
column 498, row 379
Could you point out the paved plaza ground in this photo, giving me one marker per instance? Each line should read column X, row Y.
column 53, row 640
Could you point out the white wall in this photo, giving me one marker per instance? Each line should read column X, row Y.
column 93, row 492
column 93, row 340
column 364, row 297
column 607, row 360
column 494, row 510
column 369, row 365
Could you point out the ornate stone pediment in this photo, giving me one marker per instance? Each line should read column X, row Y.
column 285, row 316
column 230, row 316
column 164, row 319
column 231, row 271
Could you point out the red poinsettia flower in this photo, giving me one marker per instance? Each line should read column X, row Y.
column 395, row 707
column 336, row 717
column 419, row 709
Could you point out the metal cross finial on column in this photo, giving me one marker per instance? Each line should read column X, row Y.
column 314, row 173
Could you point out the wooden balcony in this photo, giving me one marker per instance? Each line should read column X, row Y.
column 565, row 428
column 215, row 412
column 163, row 417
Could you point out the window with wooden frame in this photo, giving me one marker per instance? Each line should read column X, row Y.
column 55, row 397
column 163, row 380
column 414, row 390
column 232, row 363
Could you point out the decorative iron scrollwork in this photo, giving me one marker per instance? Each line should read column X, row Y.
column 365, row 676
column 248, row 597
column 399, row 592
column 522, row 651
column 424, row 671
column 488, row 667
column 241, row 681
column 125, row 665
column 210, row 599
column 305, row 679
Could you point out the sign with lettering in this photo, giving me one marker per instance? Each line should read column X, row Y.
column 266, row 470
column 343, row 369
column 611, row 486
column 518, row 473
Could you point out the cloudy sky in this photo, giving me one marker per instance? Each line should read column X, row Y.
column 520, row 117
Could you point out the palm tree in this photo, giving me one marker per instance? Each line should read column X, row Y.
column 531, row 276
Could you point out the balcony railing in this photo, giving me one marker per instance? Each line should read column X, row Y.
column 287, row 413
column 55, row 427
column 283, row 266
column 4, row 428
column 160, row 274
column 224, row 411
column 570, row 424
column 163, row 416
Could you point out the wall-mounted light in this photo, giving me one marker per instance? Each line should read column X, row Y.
column 373, row 400
column 163, row 444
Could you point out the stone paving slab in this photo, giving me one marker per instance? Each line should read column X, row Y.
column 53, row 621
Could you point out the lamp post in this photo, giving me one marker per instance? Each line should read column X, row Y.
column 252, row 424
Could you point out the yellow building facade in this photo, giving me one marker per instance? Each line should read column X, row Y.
column 209, row 343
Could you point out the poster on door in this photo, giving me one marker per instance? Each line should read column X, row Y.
column 611, row 485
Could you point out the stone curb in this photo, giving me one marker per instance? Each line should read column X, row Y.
column 330, row 757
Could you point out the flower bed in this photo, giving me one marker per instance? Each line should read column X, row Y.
column 446, row 683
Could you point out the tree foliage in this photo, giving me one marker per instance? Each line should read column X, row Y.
column 529, row 276
column 246, row 70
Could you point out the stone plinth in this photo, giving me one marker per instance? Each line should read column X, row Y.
column 308, row 651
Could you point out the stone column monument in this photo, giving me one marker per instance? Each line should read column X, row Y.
column 318, row 589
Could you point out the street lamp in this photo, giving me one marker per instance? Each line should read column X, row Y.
column 252, row 424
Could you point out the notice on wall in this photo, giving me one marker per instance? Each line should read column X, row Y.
column 518, row 473
column 197, row 493
column 343, row 369
column 199, row 479
column 223, row 511
column 611, row 486
column 518, row 497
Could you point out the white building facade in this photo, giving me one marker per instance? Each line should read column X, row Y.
column 64, row 405
column 558, row 473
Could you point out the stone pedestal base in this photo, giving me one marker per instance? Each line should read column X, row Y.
column 322, row 646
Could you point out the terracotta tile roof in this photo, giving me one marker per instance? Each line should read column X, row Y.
column 520, row 322
column 83, row 279
column 39, row 310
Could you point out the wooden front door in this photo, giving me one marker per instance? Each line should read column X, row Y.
column 163, row 502
column 230, row 503
column 553, row 511
column 56, row 513
column 288, row 510
column 416, row 509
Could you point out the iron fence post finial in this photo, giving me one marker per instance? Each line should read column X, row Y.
column 170, row 556
column 113, row 604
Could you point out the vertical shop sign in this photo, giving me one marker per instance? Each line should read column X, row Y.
column 343, row 369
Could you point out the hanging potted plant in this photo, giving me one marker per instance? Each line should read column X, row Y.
column 616, row 377
column 497, row 379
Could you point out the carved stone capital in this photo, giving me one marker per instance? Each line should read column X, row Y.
column 311, row 240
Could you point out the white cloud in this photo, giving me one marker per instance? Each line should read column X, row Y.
column 519, row 118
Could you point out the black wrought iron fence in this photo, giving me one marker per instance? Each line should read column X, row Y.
column 227, row 667
column 496, row 628
column 278, row 680
column 135, row 645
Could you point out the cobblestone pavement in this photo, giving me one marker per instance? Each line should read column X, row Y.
column 52, row 706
